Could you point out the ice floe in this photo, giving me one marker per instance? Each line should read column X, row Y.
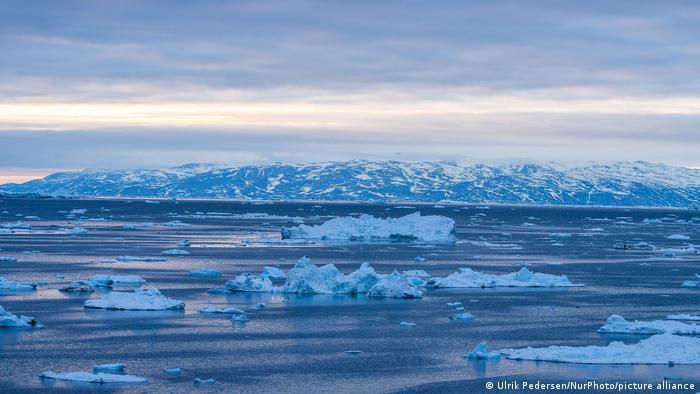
column 8, row 285
column 395, row 285
column 99, row 377
column 249, row 282
column 464, row 316
column 467, row 277
column 617, row 324
column 633, row 246
column 8, row 319
column 142, row 299
column 658, row 349
column 678, row 237
column 8, row 259
column 205, row 272
column 683, row 317
column 225, row 311
column 203, row 381
column 183, row 243
column 80, row 286
column 407, row 324
column 481, row 352
column 109, row 280
column 413, row 227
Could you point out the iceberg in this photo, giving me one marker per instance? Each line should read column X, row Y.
column 205, row 272
column 394, row 285
column 466, row 277
column 464, row 316
column 80, row 286
column 8, row 319
column 659, row 349
column 141, row 299
column 175, row 252
column 250, row 283
column 413, row 227
column 185, row 243
column 225, row 311
column 99, row 377
column 8, row 285
column 481, row 352
column 617, row 324
column 273, row 273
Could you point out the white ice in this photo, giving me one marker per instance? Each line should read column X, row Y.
column 93, row 377
column 8, row 285
column 481, row 352
column 138, row 258
column 175, row 252
column 115, row 367
column 109, row 280
column 467, row 277
column 8, row 319
column 205, row 272
column 431, row 228
column 658, row 349
column 617, row 324
column 141, row 299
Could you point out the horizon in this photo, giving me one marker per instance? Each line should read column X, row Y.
column 115, row 85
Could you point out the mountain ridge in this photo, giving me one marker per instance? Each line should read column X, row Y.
column 636, row 183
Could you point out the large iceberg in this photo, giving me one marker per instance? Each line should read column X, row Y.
column 658, row 349
column 308, row 278
column 466, row 277
column 8, row 319
column 99, row 377
column 8, row 285
column 141, row 299
column 617, row 324
column 413, row 227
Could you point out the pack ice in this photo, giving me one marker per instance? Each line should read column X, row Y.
column 141, row 299
column 466, row 277
column 617, row 324
column 413, row 227
column 658, row 349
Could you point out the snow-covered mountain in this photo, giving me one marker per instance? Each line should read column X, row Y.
column 619, row 183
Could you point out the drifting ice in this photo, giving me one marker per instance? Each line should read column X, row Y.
column 413, row 227
column 8, row 285
column 8, row 319
column 7, row 259
column 93, row 377
column 141, row 299
column 109, row 280
column 175, row 252
column 659, row 349
column 141, row 259
column 205, row 272
column 116, row 367
column 467, row 277
column 481, row 352
column 617, row 324
column 80, row 286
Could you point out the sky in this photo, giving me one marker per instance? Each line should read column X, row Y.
column 147, row 84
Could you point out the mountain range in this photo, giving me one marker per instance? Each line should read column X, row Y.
column 617, row 184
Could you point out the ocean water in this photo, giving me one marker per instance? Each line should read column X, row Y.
column 300, row 343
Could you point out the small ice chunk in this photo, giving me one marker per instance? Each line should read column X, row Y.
column 8, row 285
column 141, row 299
column 93, row 377
column 172, row 371
column 407, row 324
column 80, row 286
column 455, row 303
column 205, row 272
column 8, row 319
column 231, row 311
column 464, row 316
column 481, row 352
column 683, row 317
column 259, row 305
column 175, row 252
column 353, row 352
column 678, row 237
column 241, row 318
column 420, row 259
column 183, row 243
column 138, row 258
column 176, row 223
column 8, row 259
column 109, row 280
column 203, row 381
column 249, row 283
column 115, row 367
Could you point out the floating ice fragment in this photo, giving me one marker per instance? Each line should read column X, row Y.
column 481, row 352
column 141, row 299
column 8, row 319
column 80, row 286
column 205, row 272
column 175, row 252
column 407, row 324
column 93, row 377
column 617, row 324
column 461, row 316
column 115, row 367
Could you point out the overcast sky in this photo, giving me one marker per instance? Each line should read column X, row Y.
column 160, row 83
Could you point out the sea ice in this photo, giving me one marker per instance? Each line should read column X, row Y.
column 481, row 352
column 109, row 280
column 467, row 277
column 183, row 243
column 617, row 324
column 464, row 316
column 225, row 311
column 7, row 259
column 93, row 377
column 141, row 299
column 658, row 349
column 413, row 227
column 407, row 324
column 683, row 317
column 115, row 367
column 141, row 259
column 80, row 286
